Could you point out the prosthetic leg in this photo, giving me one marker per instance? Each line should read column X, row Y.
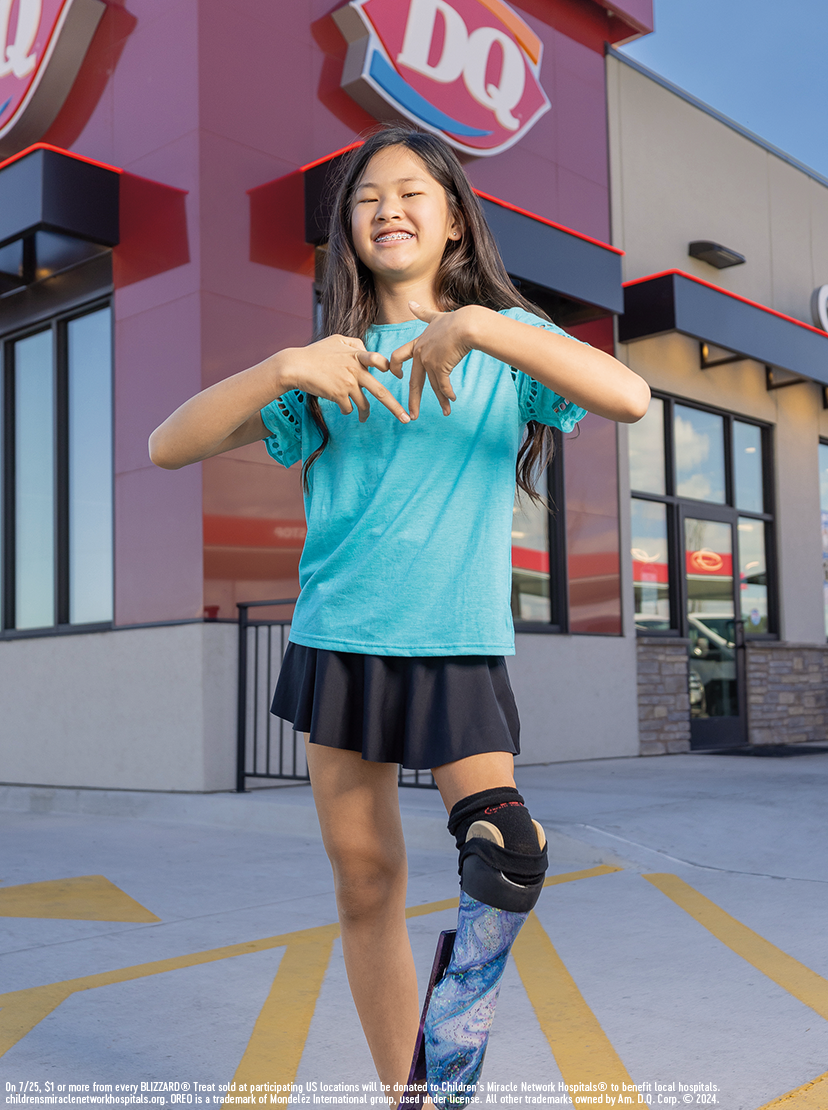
column 502, row 865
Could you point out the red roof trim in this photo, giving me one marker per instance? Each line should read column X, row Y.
column 485, row 196
column 58, row 150
column 549, row 223
column 330, row 157
column 727, row 293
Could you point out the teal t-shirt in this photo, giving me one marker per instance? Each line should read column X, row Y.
column 408, row 550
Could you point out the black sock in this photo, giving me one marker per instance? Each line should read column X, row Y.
column 504, row 808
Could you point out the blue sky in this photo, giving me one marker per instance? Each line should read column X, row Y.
column 764, row 63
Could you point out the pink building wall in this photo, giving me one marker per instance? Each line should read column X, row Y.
column 216, row 99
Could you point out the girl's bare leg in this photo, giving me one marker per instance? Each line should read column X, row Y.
column 359, row 813
column 472, row 774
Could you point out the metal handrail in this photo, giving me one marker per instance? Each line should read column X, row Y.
column 422, row 779
column 241, row 718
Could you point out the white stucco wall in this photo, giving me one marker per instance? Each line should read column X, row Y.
column 678, row 174
column 139, row 709
column 576, row 696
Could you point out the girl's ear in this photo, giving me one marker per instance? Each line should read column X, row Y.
column 456, row 230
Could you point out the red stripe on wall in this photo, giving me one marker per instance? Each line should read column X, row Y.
column 550, row 223
column 247, row 531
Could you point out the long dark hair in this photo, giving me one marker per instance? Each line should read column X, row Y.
column 471, row 271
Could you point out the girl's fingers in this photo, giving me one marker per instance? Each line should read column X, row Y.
column 427, row 314
column 443, row 380
column 401, row 355
column 439, row 381
column 371, row 358
column 415, row 387
column 367, row 381
column 440, row 394
column 361, row 402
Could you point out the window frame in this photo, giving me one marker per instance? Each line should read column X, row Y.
column 558, row 622
column 680, row 507
column 58, row 324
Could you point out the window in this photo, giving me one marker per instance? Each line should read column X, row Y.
column 823, row 501
column 538, row 601
column 702, row 525
column 57, row 474
column 565, row 559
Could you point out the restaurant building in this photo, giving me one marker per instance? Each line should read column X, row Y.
column 162, row 225
column 726, row 265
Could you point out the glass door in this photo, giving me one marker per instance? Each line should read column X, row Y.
column 715, row 632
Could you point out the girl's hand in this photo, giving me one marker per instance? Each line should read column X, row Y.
column 435, row 353
column 336, row 368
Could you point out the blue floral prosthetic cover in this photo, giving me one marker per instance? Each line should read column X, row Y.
column 463, row 1003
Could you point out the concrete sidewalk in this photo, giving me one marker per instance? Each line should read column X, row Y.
column 683, row 943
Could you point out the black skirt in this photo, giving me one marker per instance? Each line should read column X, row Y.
column 419, row 711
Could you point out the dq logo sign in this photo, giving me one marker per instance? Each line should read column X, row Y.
column 42, row 44
column 468, row 70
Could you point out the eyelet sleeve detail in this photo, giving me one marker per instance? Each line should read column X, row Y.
column 283, row 419
column 536, row 401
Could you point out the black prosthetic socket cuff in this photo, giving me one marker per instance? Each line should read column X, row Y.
column 510, row 877
column 489, row 885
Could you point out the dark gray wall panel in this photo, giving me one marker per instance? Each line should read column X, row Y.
column 47, row 189
column 555, row 259
column 673, row 302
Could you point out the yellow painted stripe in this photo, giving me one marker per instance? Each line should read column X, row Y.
column 278, row 1039
column 790, row 974
column 590, row 873
column 83, row 898
column 432, row 907
column 23, row 1010
column 18, row 1009
column 810, row 1096
column 553, row 880
column 579, row 1044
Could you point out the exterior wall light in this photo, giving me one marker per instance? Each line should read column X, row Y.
column 715, row 254
column 711, row 355
column 819, row 307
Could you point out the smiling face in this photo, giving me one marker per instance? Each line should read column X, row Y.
column 400, row 218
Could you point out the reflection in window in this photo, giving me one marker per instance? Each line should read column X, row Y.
column 700, row 467
column 710, row 618
column 34, row 482
column 753, row 574
column 747, row 467
column 592, row 544
column 89, row 344
column 530, row 561
column 823, row 500
column 647, row 450
column 650, row 565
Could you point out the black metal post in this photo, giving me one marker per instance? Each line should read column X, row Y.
column 241, row 725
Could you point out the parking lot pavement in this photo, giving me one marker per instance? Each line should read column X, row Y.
column 679, row 951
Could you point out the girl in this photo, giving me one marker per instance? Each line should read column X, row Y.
column 398, row 638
